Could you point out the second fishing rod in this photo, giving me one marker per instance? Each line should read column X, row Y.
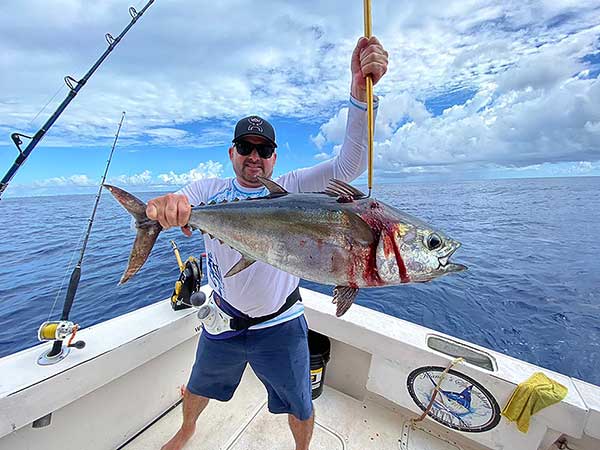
column 57, row 331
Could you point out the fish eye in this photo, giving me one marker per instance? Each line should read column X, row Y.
column 433, row 241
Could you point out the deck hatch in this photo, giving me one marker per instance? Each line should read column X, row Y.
column 423, row 438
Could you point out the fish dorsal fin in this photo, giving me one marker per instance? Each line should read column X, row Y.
column 338, row 188
column 274, row 188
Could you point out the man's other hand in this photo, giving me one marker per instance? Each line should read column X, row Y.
column 369, row 58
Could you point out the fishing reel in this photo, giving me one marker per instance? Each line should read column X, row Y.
column 186, row 292
column 57, row 331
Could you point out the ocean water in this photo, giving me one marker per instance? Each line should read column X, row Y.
column 532, row 246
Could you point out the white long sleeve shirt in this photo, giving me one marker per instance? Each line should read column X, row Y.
column 261, row 289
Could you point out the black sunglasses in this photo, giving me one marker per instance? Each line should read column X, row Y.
column 244, row 148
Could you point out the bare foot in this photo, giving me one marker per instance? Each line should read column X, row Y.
column 180, row 439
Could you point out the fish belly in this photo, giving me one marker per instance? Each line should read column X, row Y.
column 314, row 245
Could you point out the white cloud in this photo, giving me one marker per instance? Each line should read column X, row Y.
column 166, row 134
column 143, row 181
column 322, row 156
column 396, row 108
column 140, row 179
column 319, row 140
column 534, row 167
column 239, row 61
column 210, row 169
column 333, row 130
column 568, row 169
column 73, row 180
column 584, row 167
column 522, row 60
column 520, row 127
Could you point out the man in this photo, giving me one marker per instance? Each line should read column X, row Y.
column 275, row 342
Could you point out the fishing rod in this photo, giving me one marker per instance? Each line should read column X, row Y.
column 59, row 330
column 74, row 88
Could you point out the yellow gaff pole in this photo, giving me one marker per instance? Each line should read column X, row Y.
column 369, row 80
column 176, row 251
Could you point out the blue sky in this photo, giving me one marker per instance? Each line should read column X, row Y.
column 475, row 89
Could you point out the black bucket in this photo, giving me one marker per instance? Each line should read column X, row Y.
column 320, row 348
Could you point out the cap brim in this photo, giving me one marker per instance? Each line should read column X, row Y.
column 257, row 135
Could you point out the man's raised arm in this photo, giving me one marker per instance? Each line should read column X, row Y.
column 368, row 58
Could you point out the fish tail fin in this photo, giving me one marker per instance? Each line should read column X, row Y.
column 147, row 230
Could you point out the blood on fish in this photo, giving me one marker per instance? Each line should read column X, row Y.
column 379, row 223
column 370, row 274
column 401, row 266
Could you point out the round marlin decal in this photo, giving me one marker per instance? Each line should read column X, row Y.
column 462, row 403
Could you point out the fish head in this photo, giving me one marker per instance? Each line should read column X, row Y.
column 413, row 252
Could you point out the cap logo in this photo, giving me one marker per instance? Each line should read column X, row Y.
column 254, row 124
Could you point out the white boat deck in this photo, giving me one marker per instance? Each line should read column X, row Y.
column 130, row 371
column 341, row 423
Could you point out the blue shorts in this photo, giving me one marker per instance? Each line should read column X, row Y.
column 279, row 357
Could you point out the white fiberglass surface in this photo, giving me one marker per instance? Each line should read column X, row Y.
column 342, row 423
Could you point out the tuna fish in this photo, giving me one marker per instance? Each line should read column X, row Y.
column 338, row 237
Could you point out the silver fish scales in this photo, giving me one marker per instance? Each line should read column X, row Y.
column 337, row 237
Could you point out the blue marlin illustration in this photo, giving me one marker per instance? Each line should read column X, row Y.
column 461, row 398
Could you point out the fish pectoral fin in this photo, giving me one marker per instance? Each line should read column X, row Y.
column 242, row 264
column 343, row 297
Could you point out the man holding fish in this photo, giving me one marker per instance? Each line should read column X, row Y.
column 276, row 348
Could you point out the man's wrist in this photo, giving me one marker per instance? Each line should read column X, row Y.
column 362, row 104
column 359, row 94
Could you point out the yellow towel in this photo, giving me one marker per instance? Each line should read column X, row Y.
column 531, row 396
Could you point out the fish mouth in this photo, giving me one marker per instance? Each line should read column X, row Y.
column 454, row 267
column 444, row 261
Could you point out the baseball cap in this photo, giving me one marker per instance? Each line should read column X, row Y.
column 254, row 126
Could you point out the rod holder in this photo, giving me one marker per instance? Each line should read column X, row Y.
column 46, row 359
